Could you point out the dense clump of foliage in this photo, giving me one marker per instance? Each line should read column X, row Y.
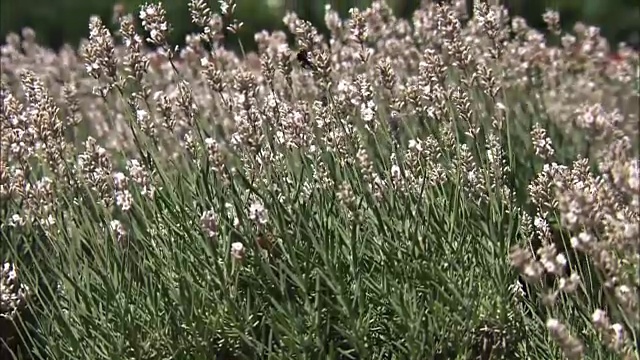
column 410, row 189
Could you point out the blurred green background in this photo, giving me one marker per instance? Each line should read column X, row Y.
column 65, row 21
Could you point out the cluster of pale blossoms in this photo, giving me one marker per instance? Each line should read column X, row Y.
column 13, row 293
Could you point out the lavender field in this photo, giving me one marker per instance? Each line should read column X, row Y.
column 432, row 188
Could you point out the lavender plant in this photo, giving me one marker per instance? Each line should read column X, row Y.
column 416, row 189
